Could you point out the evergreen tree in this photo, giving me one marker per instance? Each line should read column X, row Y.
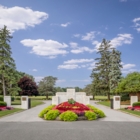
column 115, row 69
column 7, row 64
column 102, row 66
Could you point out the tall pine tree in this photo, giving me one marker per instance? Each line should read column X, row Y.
column 7, row 64
column 102, row 67
column 115, row 69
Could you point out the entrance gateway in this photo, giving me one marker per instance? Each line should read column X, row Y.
column 77, row 96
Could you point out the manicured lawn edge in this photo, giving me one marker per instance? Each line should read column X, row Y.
column 125, row 111
column 11, row 113
column 103, row 103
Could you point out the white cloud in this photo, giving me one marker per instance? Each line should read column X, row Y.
column 137, row 24
column 76, row 35
column 75, row 61
column 91, row 66
column 121, row 39
column 123, row 0
column 66, row 24
column 76, row 49
column 82, row 49
column 16, row 18
column 89, row 36
column 49, row 48
column 117, row 41
column 74, row 66
column 73, row 44
column 86, row 80
column 128, row 66
column 60, row 81
column 35, row 70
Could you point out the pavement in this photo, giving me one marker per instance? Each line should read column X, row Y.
column 27, row 125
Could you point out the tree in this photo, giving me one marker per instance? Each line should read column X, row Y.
column 87, row 89
column 129, row 84
column 115, row 69
column 102, row 66
column 7, row 64
column 46, row 85
column 28, row 86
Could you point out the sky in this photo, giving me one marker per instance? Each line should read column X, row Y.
column 60, row 38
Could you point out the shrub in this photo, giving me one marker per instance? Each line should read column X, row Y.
column 52, row 115
column 3, row 103
column 136, row 104
column 100, row 113
column 45, row 110
column 68, row 116
column 90, row 115
column 12, row 98
column 17, row 98
column 1, row 98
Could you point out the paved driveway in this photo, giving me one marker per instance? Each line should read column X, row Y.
column 28, row 126
column 31, row 115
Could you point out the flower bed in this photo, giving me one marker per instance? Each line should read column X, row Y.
column 5, row 108
column 135, row 106
column 71, row 111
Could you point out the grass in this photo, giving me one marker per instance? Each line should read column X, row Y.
column 35, row 103
column 131, row 112
column 7, row 112
column 105, row 103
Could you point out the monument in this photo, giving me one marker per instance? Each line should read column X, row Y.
column 64, row 96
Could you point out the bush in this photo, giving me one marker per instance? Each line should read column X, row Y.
column 12, row 98
column 1, row 98
column 52, row 115
column 125, row 98
column 136, row 104
column 90, row 115
column 100, row 113
column 3, row 103
column 68, row 116
column 45, row 110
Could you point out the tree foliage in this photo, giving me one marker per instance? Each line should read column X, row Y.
column 46, row 85
column 28, row 86
column 129, row 84
column 115, row 69
column 7, row 64
column 106, row 73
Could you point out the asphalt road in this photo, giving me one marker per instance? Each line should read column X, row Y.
column 82, row 130
column 28, row 126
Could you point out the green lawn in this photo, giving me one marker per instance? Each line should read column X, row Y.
column 105, row 103
column 33, row 102
column 7, row 112
column 132, row 112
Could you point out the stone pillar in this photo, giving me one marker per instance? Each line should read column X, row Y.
column 55, row 100
column 86, row 100
column 71, row 94
column 133, row 99
column 7, row 99
column 116, row 102
column 24, row 102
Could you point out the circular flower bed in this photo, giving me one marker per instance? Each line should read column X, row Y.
column 71, row 111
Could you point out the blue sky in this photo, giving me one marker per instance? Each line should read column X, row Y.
column 60, row 37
